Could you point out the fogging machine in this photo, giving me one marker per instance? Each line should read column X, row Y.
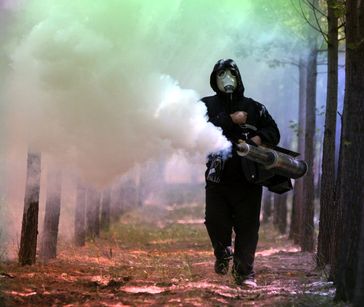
column 276, row 165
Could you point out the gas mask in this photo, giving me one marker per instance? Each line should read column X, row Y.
column 226, row 80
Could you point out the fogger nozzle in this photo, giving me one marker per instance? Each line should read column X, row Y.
column 273, row 160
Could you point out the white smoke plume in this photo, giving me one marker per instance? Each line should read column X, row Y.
column 100, row 87
column 97, row 87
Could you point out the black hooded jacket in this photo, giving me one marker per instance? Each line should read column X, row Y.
column 259, row 122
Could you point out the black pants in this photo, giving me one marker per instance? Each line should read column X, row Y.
column 234, row 207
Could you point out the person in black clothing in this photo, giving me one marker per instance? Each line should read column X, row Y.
column 233, row 196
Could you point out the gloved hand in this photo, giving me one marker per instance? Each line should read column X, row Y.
column 239, row 117
column 257, row 140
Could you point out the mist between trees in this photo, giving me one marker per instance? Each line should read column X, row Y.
column 88, row 208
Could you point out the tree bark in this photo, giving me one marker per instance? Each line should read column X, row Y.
column 337, row 236
column 29, row 231
column 51, row 218
column 307, row 238
column 80, row 216
column 93, row 213
column 267, row 206
column 282, row 222
column 359, row 289
column 116, row 205
column 352, row 150
column 280, row 214
column 275, row 210
column 105, row 210
column 328, row 153
column 296, row 214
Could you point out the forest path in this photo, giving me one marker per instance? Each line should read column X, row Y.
column 162, row 257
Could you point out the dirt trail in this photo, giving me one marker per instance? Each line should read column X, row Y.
column 143, row 261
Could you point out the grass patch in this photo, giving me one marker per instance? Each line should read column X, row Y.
column 146, row 235
column 185, row 211
column 161, row 227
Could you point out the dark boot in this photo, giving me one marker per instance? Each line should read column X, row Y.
column 243, row 279
column 222, row 261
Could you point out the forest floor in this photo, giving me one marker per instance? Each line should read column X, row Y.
column 162, row 257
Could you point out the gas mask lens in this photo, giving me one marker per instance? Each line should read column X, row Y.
column 221, row 74
column 226, row 80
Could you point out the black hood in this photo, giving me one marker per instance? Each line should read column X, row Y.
column 226, row 64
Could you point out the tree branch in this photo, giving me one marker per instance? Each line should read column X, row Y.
column 309, row 3
column 325, row 50
column 325, row 64
column 342, row 25
column 318, row 29
column 285, row 62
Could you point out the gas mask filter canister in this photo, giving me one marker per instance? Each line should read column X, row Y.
column 226, row 81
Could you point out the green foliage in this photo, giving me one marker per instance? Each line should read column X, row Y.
column 280, row 27
column 340, row 8
column 294, row 126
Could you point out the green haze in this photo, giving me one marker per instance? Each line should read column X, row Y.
column 98, row 80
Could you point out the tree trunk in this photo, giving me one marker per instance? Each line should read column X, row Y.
column 105, row 210
column 140, row 188
column 359, row 289
column 93, row 213
column 328, row 153
column 51, row 218
column 282, row 199
column 337, row 235
column 296, row 214
column 337, row 221
column 282, row 221
column 29, row 230
column 275, row 210
column 280, row 212
column 307, row 238
column 80, row 216
column 352, row 151
column 116, row 203
column 267, row 206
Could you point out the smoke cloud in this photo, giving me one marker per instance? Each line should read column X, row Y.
column 104, row 87
column 97, row 86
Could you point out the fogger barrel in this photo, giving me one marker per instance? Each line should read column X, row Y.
column 273, row 160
